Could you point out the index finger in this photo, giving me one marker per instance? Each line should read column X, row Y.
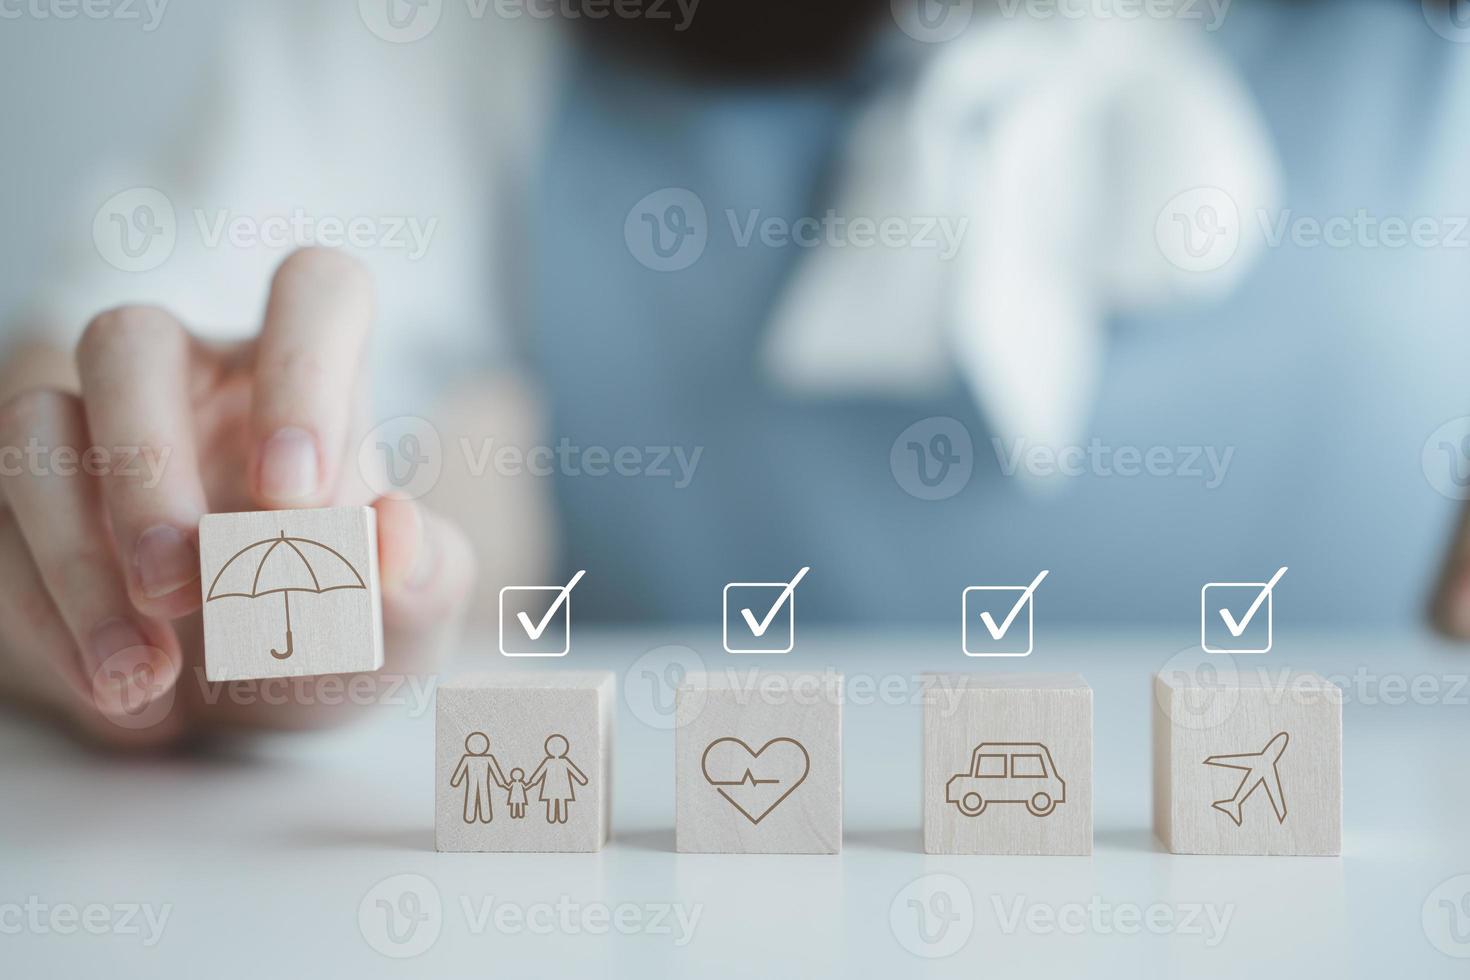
column 135, row 365
column 309, row 361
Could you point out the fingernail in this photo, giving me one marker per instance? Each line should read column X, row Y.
column 288, row 465
column 165, row 559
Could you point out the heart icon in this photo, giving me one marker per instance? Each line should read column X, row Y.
column 755, row 781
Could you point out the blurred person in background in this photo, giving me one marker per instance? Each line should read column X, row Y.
column 920, row 295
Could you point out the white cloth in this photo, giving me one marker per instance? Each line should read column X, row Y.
column 1061, row 142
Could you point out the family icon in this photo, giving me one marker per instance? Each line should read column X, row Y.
column 556, row 778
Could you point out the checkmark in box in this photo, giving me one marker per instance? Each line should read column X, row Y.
column 760, row 617
column 1236, row 617
column 999, row 620
column 536, row 620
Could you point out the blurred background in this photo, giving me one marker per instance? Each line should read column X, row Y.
column 923, row 296
column 919, row 295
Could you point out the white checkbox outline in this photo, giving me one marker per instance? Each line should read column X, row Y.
column 965, row 621
column 566, row 612
column 790, row 616
column 1204, row 615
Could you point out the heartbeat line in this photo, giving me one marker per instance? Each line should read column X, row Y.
column 744, row 779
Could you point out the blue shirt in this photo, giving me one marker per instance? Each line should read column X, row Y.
column 1290, row 416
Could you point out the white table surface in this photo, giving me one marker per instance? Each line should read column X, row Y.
column 263, row 853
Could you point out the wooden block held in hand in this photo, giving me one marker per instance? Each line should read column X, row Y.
column 290, row 593
column 1007, row 764
column 523, row 761
column 758, row 763
column 1248, row 764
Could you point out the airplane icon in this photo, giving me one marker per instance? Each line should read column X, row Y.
column 1260, row 770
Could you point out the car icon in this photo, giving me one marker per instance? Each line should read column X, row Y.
column 1008, row 772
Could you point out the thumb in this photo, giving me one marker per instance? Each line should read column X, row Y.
column 427, row 571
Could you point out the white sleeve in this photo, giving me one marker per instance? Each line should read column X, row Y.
column 313, row 130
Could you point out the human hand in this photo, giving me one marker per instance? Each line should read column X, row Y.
column 99, row 565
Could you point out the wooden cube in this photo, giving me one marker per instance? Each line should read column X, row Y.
column 523, row 761
column 1007, row 764
column 1248, row 764
column 290, row 593
column 758, row 763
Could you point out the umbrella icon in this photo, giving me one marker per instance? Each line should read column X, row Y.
column 284, row 565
